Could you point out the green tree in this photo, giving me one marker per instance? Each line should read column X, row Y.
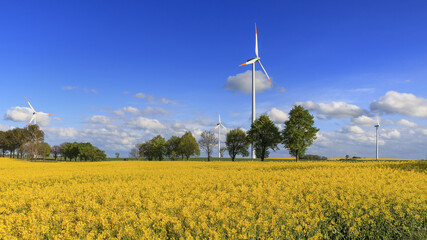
column 237, row 143
column 264, row 135
column 85, row 151
column 117, row 155
column 188, row 145
column 207, row 142
column 158, row 147
column 172, row 147
column 44, row 149
column 145, row 150
column 299, row 132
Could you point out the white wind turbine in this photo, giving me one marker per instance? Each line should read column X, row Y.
column 34, row 117
column 253, row 61
column 376, row 138
column 219, row 125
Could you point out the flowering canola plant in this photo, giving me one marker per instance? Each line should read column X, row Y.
column 218, row 200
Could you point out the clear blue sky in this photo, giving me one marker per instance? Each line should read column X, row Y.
column 117, row 73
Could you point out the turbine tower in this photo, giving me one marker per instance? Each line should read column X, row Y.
column 34, row 117
column 253, row 61
column 219, row 125
column 376, row 138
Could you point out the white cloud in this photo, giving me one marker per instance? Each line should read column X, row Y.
column 352, row 129
column 400, row 103
column 24, row 114
column 424, row 131
column 277, row 116
column 364, row 121
column 68, row 88
column 243, row 82
column 167, row 101
column 67, row 133
column 393, row 133
column 99, row 119
column 150, row 98
column 406, row 123
column 334, row 109
column 89, row 90
column 146, row 123
column 131, row 110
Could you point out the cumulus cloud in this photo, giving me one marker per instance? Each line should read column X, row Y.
column 391, row 134
column 152, row 99
column 277, row 116
column 67, row 133
column 5, row 128
column 100, row 119
column 352, row 129
column 334, row 109
column 131, row 110
column 24, row 114
column 400, row 103
column 364, row 121
column 406, row 123
column 243, row 82
column 146, row 123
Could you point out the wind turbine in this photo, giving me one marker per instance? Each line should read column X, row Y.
column 253, row 61
column 34, row 117
column 219, row 125
column 376, row 138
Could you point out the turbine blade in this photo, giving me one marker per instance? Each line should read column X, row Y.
column 31, row 120
column 219, row 117
column 269, row 79
column 49, row 114
column 224, row 127
column 242, row 64
column 30, row 104
column 215, row 127
column 256, row 42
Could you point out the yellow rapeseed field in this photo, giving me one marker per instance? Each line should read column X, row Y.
column 219, row 200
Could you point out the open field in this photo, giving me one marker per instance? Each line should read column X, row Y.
column 221, row 200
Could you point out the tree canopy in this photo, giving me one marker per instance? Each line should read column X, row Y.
column 237, row 143
column 264, row 135
column 299, row 132
column 207, row 142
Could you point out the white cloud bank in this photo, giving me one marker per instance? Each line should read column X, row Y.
column 406, row 104
column 334, row 109
column 243, row 82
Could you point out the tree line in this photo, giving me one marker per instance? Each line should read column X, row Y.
column 297, row 135
column 29, row 143
column 24, row 143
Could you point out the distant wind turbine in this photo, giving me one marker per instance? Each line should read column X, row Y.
column 253, row 61
column 219, row 125
column 34, row 117
column 376, row 138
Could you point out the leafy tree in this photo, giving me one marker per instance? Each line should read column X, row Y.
column 172, row 147
column 264, row 135
column 44, row 149
column 98, row 155
column 85, row 151
column 70, row 150
column 56, row 150
column 117, row 155
column 188, row 145
column 207, row 142
column 237, row 143
column 145, row 150
column 299, row 132
column 158, row 147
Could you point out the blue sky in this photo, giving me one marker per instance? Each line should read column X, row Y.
column 118, row 73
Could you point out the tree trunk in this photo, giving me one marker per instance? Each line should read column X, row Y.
column 297, row 157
